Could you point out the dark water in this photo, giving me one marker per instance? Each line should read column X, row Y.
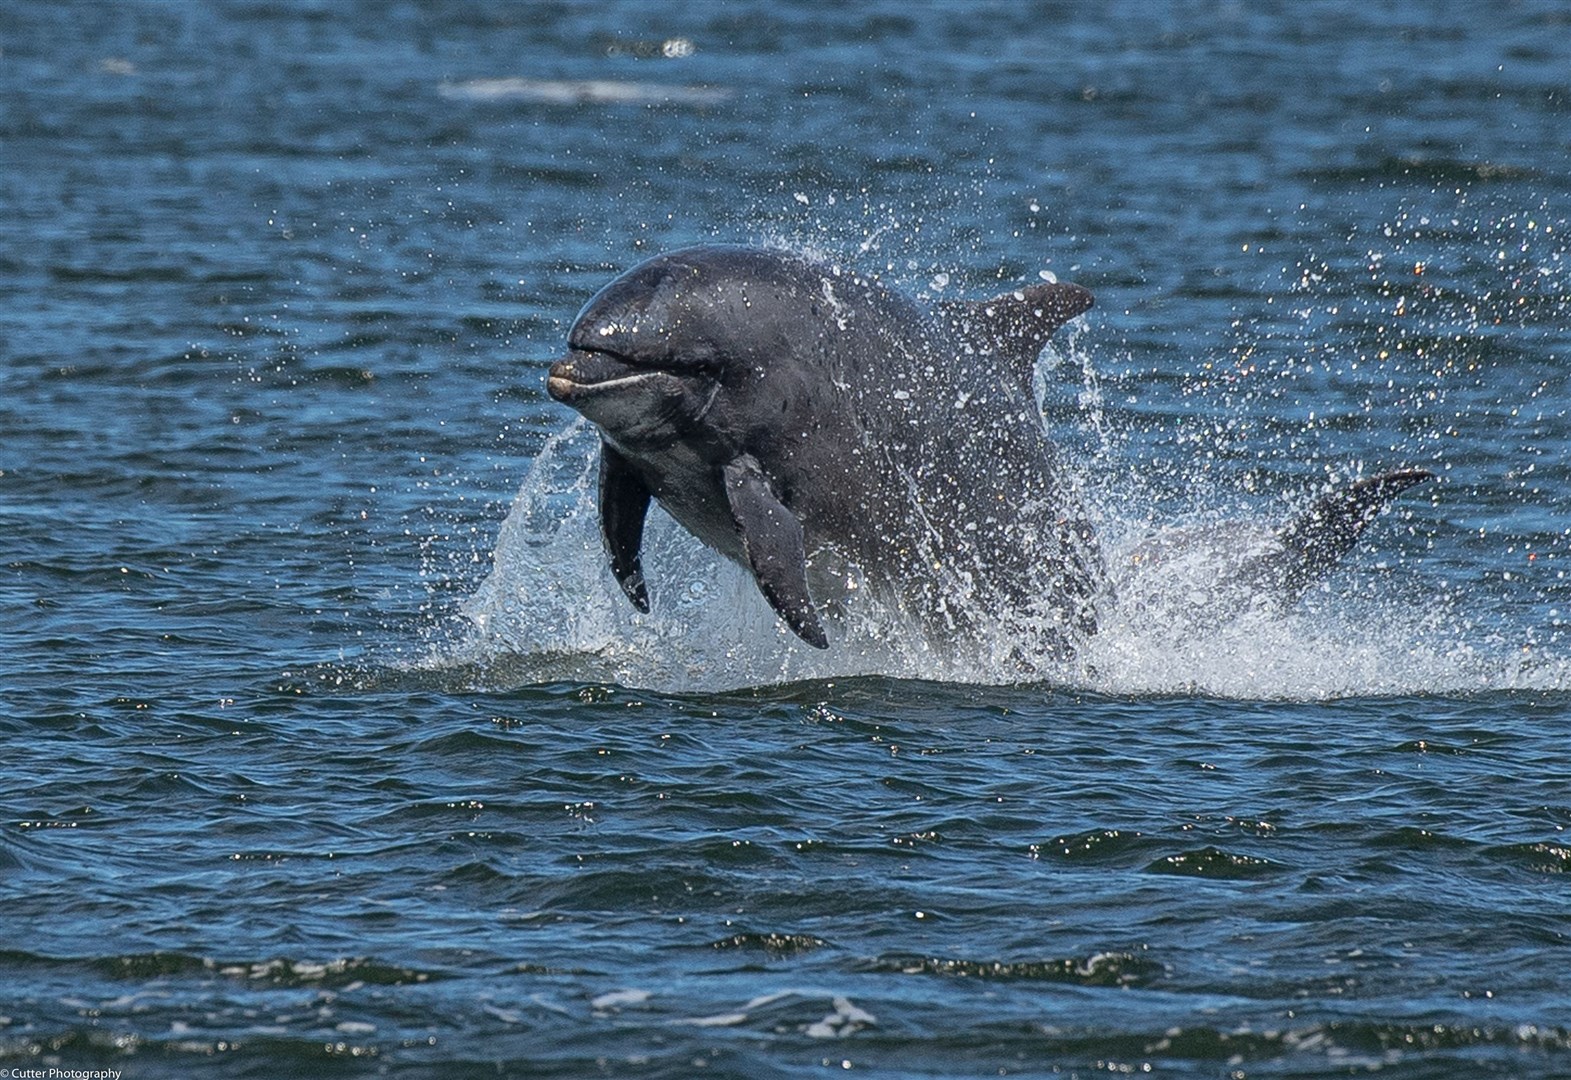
column 324, row 757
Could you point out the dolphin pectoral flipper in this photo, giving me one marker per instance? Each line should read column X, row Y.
column 1311, row 544
column 624, row 501
column 772, row 538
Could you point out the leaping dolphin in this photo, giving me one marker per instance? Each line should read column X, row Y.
column 827, row 433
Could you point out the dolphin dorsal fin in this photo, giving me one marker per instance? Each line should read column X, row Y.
column 1017, row 324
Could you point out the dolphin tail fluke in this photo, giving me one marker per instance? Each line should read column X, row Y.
column 1309, row 546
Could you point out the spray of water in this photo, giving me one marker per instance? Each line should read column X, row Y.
column 550, row 610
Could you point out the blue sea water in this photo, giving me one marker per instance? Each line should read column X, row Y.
column 330, row 747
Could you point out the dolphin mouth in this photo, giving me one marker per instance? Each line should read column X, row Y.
column 580, row 374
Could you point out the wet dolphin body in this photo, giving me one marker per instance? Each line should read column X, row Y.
column 825, row 431
column 828, row 434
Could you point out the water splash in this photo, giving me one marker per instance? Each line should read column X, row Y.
column 550, row 608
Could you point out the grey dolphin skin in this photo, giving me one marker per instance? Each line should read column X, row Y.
column 830, row 435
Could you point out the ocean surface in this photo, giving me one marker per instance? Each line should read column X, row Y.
column 330, row 747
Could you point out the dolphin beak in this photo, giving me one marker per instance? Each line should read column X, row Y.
column 559, row 382
column 580, row 373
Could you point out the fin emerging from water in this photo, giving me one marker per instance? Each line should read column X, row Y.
column 1307, row 548
column 772, row 539
column 624, row 502
column 1202, row 578
column 1015, row 325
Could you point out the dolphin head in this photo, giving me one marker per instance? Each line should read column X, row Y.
column 691, row 365
column 684, row 346
column 648, row 353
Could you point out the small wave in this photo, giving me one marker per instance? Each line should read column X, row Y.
column 1213, row 862
column 1332, row 1046
column 1097, row 969
column 1098, row 847
column 582, row 92
column 774, row 944
column 1354, row 1045
column 279, row 971
column 1546, row 857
